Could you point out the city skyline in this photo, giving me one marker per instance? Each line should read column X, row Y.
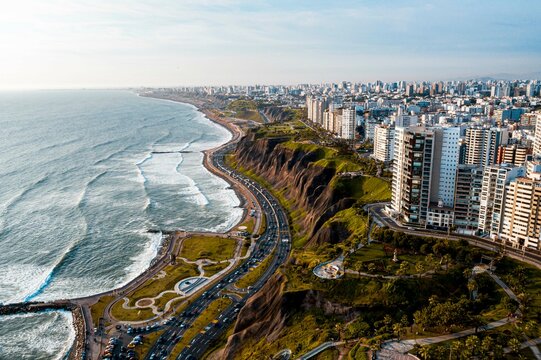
column 144, row 43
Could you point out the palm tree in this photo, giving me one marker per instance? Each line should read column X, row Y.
column 446, row 259
column 471, row 347
column 486, row 347
column 397, row 328
column 455, row 349
column 472, row 285
column 514, row 345
column 419, row 268
column 425, row 352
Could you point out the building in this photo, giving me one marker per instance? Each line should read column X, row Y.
column 537, row 136
column 513, row 154
column 469, row 181
column 482, row 145
column 384, row 142
column 522, row 217
column 315, row 108
column 348, row 124
column 424, row 173
column 495, row 180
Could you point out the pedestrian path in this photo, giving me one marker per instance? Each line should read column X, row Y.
column 403, row 346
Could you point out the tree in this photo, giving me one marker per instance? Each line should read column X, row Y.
column 514, row 345
column 371, row 267
column 360, row 267
column 456, row 349
column 425, row 352
column 446, row 259
column 403, row 270
column 430, row 262
column 419, row 267
column 404, row 321
column 486, row 347
column 397, row 329
column 472, row 285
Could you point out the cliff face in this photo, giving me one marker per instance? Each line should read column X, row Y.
column 305, row 184
column 262, row 316
column 277, row 114
column 265, row 315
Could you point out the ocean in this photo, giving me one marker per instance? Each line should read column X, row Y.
column 83, row 176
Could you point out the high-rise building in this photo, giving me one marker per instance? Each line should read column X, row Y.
column 469, row 181
column 482, row 144
column 349, row 124
column 537, row 138
column 522, row 217
column 384, row 142
column 316, row 107
column 424, row 172
column 513, row 154
column 495, row 179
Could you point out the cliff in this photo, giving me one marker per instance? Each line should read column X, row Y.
column 266, row 315
column 278, row 113
column 262, row 316
column 310, row 179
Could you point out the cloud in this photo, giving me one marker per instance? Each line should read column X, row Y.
column 138, row 42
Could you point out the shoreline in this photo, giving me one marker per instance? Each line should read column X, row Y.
column 80, row 307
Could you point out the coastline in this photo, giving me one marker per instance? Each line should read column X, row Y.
column 80, row 307
column 206, row 108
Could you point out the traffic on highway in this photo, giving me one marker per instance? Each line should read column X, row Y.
column 274, row 241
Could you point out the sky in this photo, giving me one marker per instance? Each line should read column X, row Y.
column 117, row 43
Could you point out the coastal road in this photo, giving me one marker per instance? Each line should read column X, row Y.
column 531, row 256
column 275, row 241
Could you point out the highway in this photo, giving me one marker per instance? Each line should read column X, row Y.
column 275, row 242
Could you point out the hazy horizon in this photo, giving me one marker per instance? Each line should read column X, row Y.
column 78, row 44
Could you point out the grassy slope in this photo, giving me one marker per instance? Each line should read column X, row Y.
column 97, row 309
column 208, row 247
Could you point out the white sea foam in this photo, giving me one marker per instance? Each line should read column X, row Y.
column 18, row 280
column 46, row 335
column 142, row 260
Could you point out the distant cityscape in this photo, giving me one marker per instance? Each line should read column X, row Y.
column 465, row 156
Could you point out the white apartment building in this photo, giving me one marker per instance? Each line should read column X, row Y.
column 482, row 144
column 491, row 208
column 522, row 218
column 448, row 155
column 384, row 142
column 537, row 136
column 348, row 124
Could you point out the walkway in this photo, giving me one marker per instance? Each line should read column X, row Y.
column 182, row 292
column 403, row 346
column 320, row 348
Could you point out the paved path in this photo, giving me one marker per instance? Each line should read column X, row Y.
column 320, row 348
column 403, row 346
column 532, row 256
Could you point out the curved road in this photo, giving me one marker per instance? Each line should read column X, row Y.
column 275, row 242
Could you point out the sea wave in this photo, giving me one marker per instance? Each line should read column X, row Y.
column 54, row 268
column 60, row 144
column 44, row 335
column 11, row 203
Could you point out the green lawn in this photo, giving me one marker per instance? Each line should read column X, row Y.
column 174, row 273
column 375, row 254
column 252, row 276
column 214, row 268
column 214, row 248
column 122, row 314
column 98, row 308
